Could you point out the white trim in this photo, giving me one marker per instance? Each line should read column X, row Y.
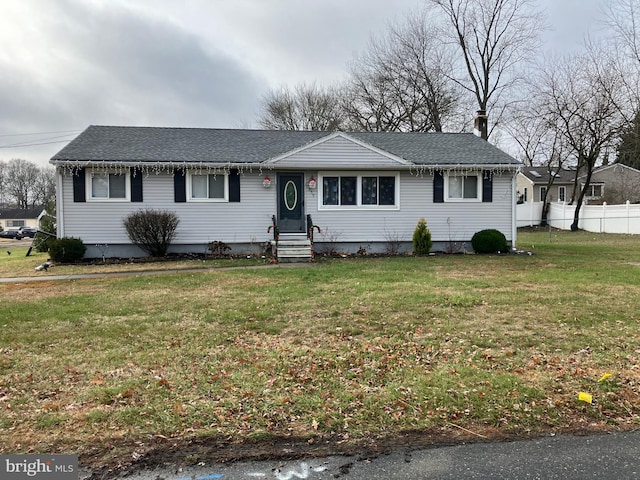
column 476, row 199
column 225, row 199
column 514, row 210
column 541, row 187
column 89, row 186
column 613, row 165
column 591, row 185
column 59, row 204
column 358, row 174
column 562, row 188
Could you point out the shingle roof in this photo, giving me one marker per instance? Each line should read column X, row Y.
column 195, row 145
column 541, row 175
column 17, row 213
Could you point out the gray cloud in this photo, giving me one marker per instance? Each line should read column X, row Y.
column 65, row 64
column 114, row 65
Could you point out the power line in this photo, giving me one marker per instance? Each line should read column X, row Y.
column 34, row 144
column 30, row 143
column 39, row 133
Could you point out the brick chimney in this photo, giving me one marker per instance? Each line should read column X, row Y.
column 480, row 125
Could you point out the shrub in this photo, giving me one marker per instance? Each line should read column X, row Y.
column 66, row 250
column 489, row 241
column 218, row 248
column 422, row 238
column 152, row 230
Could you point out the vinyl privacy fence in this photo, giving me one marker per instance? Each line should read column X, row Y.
column 604, row 218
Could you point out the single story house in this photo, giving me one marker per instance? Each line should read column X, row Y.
column 614, row 184
column 362, row 190
column 533, row 182
column 14, row 218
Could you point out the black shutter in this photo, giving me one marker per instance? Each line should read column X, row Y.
column 487, row 186
column 438, row 187
column 180, row 185
column 136, row 185
column 234, row 185
column 79, row 185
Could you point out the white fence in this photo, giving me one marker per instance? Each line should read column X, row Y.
column 528, row 214
column 593, row 218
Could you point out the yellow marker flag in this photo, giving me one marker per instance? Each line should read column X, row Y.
column 585, row 397
column 604, row 377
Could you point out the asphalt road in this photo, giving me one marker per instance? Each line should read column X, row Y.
column 9, row 243
column 611, row 456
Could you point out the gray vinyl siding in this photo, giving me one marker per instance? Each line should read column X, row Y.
column 337, row 153
column 247, row 221
column 448, row 221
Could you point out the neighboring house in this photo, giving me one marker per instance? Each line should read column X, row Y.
column 363, row 190
column 614, row 184
column 533, row 183
column 14, row 218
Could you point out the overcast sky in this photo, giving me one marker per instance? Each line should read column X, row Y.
column 67, row 64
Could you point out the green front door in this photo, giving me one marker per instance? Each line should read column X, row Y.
column 291, row 203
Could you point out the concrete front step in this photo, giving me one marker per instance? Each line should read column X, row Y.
column 294, row 249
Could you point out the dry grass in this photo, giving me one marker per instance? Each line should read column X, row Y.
column 356, row 349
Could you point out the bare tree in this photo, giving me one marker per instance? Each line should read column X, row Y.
column 539, row 143
column 306, row 107
column 3, row 167
column 402, row 82
column 493, row 36
column 623, row 19
column 578, row 95
column 44, row 186
column 20, row 176
column 25, row 185
column 623, row 16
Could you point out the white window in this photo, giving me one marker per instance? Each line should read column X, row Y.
column 562, row 194
column 463, row 188
column 595, row 190
column 358, row 190
column 543, row 193
column 109, row 186
column 208, row 187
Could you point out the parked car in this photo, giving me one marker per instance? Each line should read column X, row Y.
column 15, row 234
column 28, row 231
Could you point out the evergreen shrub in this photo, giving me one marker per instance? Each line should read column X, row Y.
column 422, row 238
column 66, row 250
column 489, row 241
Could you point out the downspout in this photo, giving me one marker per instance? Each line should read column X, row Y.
column 59, row 203
column 514, row 209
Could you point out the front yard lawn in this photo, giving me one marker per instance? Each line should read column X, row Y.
column 341, row 354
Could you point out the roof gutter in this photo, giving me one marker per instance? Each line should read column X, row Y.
column 169, row 166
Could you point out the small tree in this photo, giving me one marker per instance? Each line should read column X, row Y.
column 152, row 230
column 422, row 238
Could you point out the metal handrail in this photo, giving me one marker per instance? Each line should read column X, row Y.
column 310, row 228
column 276, row 236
